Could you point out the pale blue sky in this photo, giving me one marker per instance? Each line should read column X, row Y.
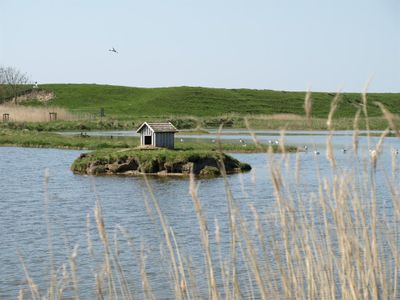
column 283, row 45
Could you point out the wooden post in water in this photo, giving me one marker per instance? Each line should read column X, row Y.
column 53, row 116
column 6, row 117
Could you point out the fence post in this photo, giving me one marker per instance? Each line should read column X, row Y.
column 53, row 116
column 6, row 117
column 102, row 114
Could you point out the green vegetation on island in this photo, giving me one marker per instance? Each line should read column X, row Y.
column 157, row 162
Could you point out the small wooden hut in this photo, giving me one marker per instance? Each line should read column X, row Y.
column 157, row 135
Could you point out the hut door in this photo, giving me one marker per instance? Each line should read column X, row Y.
column 147, row 139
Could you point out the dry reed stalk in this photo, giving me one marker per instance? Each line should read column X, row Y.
column 106, row 246
column 122, row 281
column 21, row 294
column 204, row 234
column 252, row 257
column 35, row 114
column 194, row 290
column 278, row 186
column 389, row 117
column 129, row 240
column 378, row 148
column 65, row 280
column 53, row 276
column 73, row 266
column 148, row 292
column 393, row 162
column 34, row 289
column 251, row 132
column 242, row 186
column 282, row 144
column 167, row 238
column 308, row 106
column 183, row 282
column 99, row 286
column 224, row 274
column 297, row 168
column 365, row 110
column 249, row 287
column 272, row 289
column 232, row 265
column 329, row 123
column 356, row 131
column 88, row 236
column 365, row 104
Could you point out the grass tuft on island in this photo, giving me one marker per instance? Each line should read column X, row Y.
column 160, row 162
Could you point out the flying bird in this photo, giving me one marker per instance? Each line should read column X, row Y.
column 113, row 50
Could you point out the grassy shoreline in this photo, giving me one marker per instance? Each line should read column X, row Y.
column 202, row 125
column 34, row 139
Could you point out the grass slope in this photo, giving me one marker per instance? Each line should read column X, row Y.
column 129, row 102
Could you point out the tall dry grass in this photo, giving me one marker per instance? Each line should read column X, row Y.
column 332, row 243
column 18, row 113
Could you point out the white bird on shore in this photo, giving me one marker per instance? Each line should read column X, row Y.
column 181, row 140
column 113, row 50
column 305, row 147
column 373, row 153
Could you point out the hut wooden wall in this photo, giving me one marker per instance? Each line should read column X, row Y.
column 146, row 131
column 158, row 139
column 164, row 139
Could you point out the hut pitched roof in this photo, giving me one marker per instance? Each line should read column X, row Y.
column 159, row 127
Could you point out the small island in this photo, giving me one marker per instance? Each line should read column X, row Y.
column 160, row 162
column 156, row 155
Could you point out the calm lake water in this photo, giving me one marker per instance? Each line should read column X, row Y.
column 25, row 218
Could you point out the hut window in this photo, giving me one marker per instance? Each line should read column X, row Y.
column 147, row 139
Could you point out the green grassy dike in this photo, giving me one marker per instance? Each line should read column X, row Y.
column 132, row 102
column 126, row 108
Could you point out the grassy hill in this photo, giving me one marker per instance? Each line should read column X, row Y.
column 129, row 102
